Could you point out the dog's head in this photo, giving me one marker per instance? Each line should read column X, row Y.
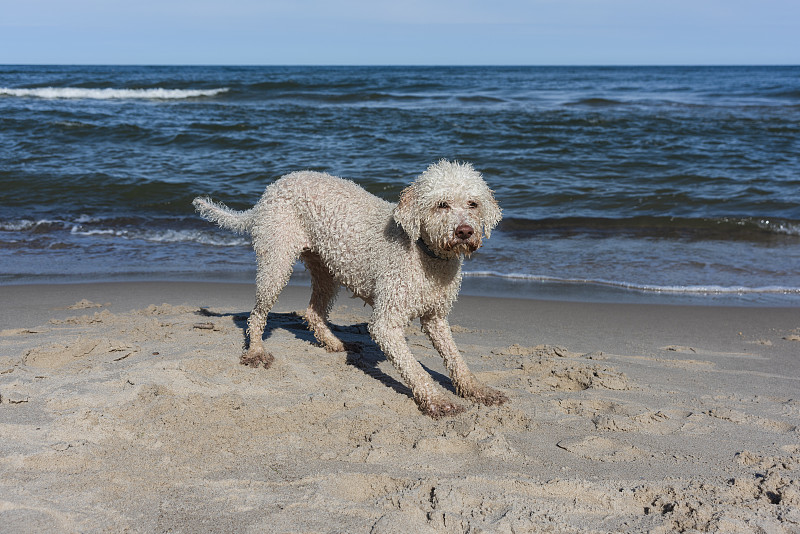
column 450, row 207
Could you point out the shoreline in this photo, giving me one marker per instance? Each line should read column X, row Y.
column 20, row 309
column 480, row 285
column 118, row 412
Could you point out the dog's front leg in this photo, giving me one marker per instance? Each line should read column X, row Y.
column 465, row 382
column 391, row 339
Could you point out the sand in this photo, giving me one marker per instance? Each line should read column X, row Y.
column 123, row 408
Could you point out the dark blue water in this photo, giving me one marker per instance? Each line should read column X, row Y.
column 665, row 183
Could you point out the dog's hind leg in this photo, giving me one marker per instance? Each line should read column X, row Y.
column 277, row 247
column 323, row 292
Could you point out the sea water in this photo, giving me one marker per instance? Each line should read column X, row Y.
column 664, row 184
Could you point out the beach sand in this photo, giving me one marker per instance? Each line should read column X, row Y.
column 123, row 408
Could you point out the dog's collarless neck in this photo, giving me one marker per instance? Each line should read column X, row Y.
column 427, row 250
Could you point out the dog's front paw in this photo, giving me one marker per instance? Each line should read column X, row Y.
column 256, row 357
column 332, row 344
column 439, row 408
column 487, row 396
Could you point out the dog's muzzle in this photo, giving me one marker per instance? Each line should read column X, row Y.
column 464, row 232
column 465, row 240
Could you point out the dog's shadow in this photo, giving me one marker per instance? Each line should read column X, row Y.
column 362, row 352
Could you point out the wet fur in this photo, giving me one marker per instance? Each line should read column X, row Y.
column 402, row 259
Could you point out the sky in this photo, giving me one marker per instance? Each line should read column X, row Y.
column 400, row 32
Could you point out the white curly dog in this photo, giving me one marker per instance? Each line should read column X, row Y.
column 402, row 259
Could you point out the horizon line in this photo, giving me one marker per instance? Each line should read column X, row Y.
column 406, row 65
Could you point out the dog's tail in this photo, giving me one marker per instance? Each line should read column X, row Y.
column 239, row 221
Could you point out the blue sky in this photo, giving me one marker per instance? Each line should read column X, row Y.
column 419, row 32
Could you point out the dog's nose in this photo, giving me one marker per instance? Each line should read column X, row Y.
column 464, row 231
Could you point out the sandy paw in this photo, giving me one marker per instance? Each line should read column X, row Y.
column 332, row 346
column 340, row 346
column 487, row 396
column 256, row 357
column 440, row 408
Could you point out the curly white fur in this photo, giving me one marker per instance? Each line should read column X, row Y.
column 403, row 259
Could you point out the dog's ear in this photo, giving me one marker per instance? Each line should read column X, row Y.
column 490, row 214
column 406, row 213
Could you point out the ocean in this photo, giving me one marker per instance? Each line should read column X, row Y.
column 656, row 184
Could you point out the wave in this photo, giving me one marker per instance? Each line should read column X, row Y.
column 361, row 97
column 644, row 288
column 720, row 228
column 110, row 93
column 597, row 102
column 28, row 225
column 779, row 226
column 165, row 236
column 125, row 228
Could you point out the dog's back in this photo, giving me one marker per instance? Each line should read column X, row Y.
column 351, row 230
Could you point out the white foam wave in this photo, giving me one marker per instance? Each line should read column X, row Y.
column 76, row 230
column 779, row 227
column 87, row 226
column 647, row 288
column 16, row 226
column 164, row 236
column 25, row 225
column 192, row 236
column 110, row 93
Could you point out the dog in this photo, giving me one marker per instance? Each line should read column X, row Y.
column 403, row 259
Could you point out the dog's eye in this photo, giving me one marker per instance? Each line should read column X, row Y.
column 444, row 206
column 472, row 204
